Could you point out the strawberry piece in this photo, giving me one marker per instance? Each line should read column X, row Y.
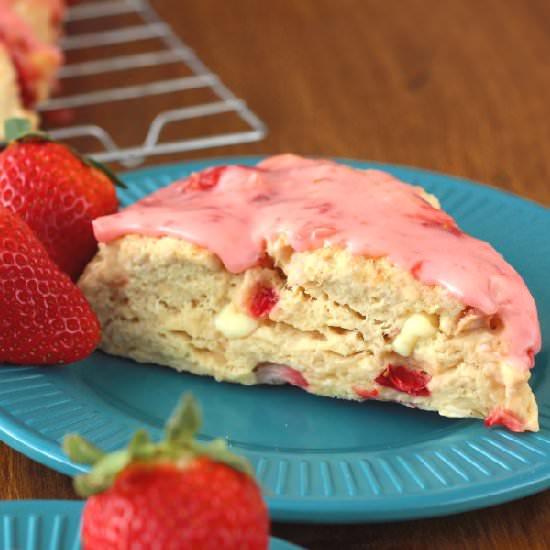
column 265, row 261
column 45, row 317
column 58, row 195
column 366, row 394
column 206, row 179
column 416, row 268
column 262, row 302
column 405, row 380
column 274, row 373
column 438, row 219
column 506, row 418
column 177, row 493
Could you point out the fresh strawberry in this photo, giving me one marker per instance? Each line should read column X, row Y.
column 57, row 193
column 174, row 494
column 45, row 318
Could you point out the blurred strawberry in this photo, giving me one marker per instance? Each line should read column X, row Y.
column 174, row 494
column 57, row 192
column 45, row 318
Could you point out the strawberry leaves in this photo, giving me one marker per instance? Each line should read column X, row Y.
column 184, row 422
column 15, row 128
column 20, row 130
column 179, row 446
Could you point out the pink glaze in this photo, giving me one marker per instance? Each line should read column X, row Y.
column 234, row 211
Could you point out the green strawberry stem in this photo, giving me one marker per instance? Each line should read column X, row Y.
column 178, row 446
column 19, row 129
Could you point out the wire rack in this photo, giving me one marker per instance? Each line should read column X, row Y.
column 198, row 76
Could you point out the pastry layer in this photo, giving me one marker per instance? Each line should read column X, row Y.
column 334, row 323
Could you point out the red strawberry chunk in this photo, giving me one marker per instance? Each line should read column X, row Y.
column 416, row 268
column 206, row 179
column 263, row 301
column 506, row 418
column 366, row 394
column 274, row 373
column 405, row 380
column 437, row 219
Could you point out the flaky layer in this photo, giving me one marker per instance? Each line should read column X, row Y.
column 335, row 324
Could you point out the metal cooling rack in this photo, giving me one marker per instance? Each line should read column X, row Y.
column 175, row 51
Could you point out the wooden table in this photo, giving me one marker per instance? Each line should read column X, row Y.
column 458, row 86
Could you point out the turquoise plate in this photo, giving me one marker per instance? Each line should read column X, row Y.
column 319, row 459
column 55, row 525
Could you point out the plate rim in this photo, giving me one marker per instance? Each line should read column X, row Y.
column 72, row 507
column 333, row 509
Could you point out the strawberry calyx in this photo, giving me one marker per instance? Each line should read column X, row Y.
column 178, row 447
column 19, row 130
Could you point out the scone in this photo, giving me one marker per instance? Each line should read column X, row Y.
column 10, row 102
column 43, row 16
column 344, row 282
column 35, row 61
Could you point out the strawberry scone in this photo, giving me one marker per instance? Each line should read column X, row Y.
column 347, row 283
column 44, row 17
column 35, row 61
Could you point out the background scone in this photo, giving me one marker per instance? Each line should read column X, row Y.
column 10, row 101
column 349, row 284
column 45, row 17
column 29, row 59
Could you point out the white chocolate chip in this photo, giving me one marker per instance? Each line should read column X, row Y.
column 415, row 327
column 233, row 323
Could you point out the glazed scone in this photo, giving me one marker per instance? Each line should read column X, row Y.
column 35, row 61
column 43, row 16
column 10, row 103
column 346, row 283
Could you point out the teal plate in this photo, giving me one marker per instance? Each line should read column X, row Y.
column 55, row 525
column 318, row 459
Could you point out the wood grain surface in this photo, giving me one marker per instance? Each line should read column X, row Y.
column 459, row 86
